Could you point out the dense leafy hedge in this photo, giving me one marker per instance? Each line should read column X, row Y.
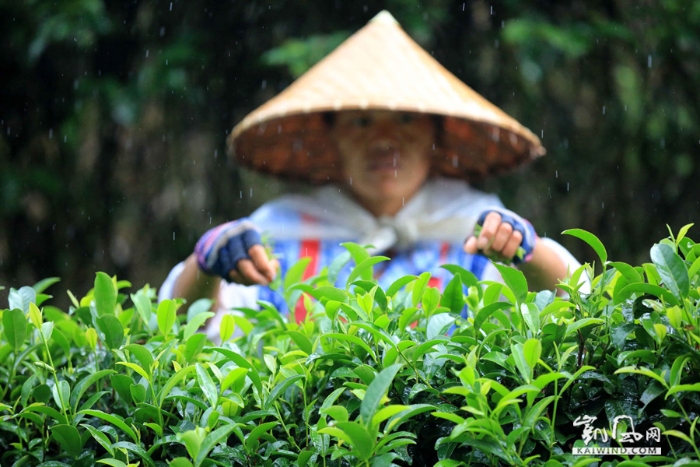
column 371, row 378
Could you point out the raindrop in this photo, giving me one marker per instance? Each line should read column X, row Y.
column 503, row 24
column 394, row 162
column 395, row 174
column 50, row 132
column 64, row 138
column 241, row 194
column 463, row 6
column 173, row 235
column 603, row 110
column 602, row 205
column 146, row 53
column 649, row 61
column 171, row 6
column 350, row 180
column 264, row 83
column 542, row 134
column 556, row 174
column 496, row 43
column 216, row 153
column 403, row 201
column 209, row 220
column 162, row 31
column 663, row 143
column 37, row 228
column 491, row 10
column 8, row 131
column 455, row 161
column 166, row 62
column 567, row 186
column 251, row 193
column 364, row 8
column 75, row 84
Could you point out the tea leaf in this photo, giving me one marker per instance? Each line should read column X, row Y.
column 212, row 439
column 532, row 349
column 376, row 392
column 69, row 439
column 301, row 341
column 172, row 382
column 581, row 323
column 251, row 441
column 359, row 253
column 295, row 273
column 398, row 284
column 515, row 280
column 467, row 277
column 359, row 437
column 50, row 411
column 21, row 298
column 683, row 232
column 242, row 362
column 45, row 284
column 138, row 450
column 105, row 294
column 112, row 328
column 364, row 269
column 113, row 419
column 591, row 240
column 166, row 316
column 642, row 288
column 438, row 324
column 101, row 438
column 329, row 293
column 628, row 272
column 143, row 306
column 35, row 315
column 113, row 462
column 419, row 288
column 531, row 316
column 643, row 371
column 521, row 362
column 137, row 369
column 280, row 388
column 695, row 387
column 672, row 270
column 226, row 327
column 453, row 295
column 409, row 412
column 84, row 384
column 15, row 327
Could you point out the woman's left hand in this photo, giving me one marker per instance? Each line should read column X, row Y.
column 502, row 234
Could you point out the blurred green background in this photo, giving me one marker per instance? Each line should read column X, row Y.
column 113, row 117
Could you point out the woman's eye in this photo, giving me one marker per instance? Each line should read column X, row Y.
column 406, row 118
column 360, row 122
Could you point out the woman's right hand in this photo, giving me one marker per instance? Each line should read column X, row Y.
column 234, row 252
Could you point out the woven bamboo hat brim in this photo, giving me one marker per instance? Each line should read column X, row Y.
column 379, row 67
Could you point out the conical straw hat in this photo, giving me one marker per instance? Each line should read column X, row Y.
column 379, row 67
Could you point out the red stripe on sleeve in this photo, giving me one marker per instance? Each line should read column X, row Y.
column 311, row 249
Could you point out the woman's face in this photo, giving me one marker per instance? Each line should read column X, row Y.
column 385, row 155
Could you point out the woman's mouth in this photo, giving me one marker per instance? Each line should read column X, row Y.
column 384, row 160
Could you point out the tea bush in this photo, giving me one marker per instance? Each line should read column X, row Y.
column 371, row 378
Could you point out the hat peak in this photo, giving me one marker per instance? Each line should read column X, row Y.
column 384, row 17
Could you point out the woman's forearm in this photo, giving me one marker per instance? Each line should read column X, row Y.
column 192, row 284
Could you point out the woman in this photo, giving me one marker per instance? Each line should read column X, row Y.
column 384, row 150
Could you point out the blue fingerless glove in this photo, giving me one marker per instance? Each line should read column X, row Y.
column 220, row 249
column 524, row 253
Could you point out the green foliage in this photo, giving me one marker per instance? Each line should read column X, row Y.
column 370, row 378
